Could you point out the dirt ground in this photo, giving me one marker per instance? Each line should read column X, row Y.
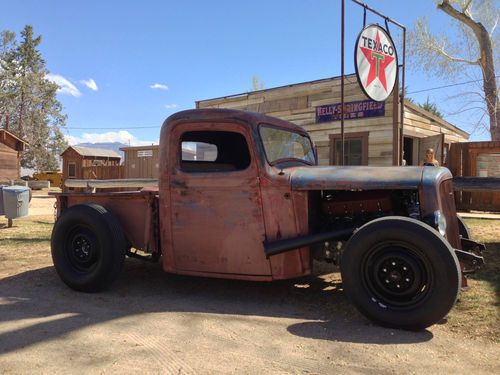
column 153, row 322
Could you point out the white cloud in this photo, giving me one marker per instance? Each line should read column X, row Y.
column 159, row 86
column 171, row 106
column 121, row 136
column 65, row 86
column 90, row 83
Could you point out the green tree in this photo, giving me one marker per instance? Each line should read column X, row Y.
column 29, row 100
column 431, row 107
column 472, row 50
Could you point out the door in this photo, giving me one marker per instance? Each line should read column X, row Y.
column 436, row 142
column 217, row 221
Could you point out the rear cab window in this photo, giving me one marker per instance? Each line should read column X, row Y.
column 214, row 151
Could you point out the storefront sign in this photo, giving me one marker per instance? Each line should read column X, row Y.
column 352, row 110
column 376, row 62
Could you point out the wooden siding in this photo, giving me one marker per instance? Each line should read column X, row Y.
column 463, row 161
column 297, row 104
column 9, row 163
column 138, row 165
column 85, row 166
column 103, row 172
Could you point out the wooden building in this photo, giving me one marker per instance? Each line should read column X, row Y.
column 141, row 161
column 90, row 163
column 371, row 128
column 476, row 159
column 10, row 155
column 144, row 161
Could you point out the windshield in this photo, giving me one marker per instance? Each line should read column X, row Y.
column 283, row 144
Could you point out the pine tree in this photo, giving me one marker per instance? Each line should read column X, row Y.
column 29, row 100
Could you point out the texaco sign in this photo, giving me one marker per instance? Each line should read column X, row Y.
column 376, row 62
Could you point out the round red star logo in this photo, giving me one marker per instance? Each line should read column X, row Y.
column 376, row 62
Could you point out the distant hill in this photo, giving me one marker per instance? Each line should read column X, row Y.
column 115, row 146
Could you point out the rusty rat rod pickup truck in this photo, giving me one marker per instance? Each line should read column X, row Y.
column 240, row 197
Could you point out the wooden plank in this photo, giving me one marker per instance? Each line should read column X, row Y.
column 469, row 183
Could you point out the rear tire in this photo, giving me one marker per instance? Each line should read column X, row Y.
column 400, row 273
column 88, row 247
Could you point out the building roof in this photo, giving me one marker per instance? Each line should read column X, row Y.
column 21, row 143
column 150, row 147
column 95, row 152
column 437, row 119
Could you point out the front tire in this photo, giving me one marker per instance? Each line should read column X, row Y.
column 400, row 273
column 88, row 247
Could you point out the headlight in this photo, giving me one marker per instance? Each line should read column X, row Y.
column 440, row 222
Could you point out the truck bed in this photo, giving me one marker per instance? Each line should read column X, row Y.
column 137, row 212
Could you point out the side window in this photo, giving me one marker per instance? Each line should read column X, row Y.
column 71, row 169
column 214, row 151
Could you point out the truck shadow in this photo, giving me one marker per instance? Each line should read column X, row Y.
column 37, row 306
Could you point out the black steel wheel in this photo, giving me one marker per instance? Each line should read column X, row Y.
column 400, row 273
column 88, row 247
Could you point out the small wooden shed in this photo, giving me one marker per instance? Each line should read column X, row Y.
column 94, row 163
column 141, row 161
column 10, row 155
column 144, row 161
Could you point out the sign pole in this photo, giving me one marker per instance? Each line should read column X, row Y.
column 342, row 85
column 402, row 100
column 397, row 138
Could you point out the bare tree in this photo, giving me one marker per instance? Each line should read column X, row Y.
column 257, row 84
column 476, row 47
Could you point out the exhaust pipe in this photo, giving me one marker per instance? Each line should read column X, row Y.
column 282, row 246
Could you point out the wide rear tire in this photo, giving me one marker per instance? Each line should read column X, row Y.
column 400, row 273
column 88, row 247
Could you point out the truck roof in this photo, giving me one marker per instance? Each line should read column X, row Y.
column 253, row 119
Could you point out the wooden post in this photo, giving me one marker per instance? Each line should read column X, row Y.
column 9, row 223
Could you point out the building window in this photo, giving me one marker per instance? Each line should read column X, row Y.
column 72, row 170
column 355, row 149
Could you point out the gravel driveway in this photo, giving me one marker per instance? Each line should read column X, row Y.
column 153, row 322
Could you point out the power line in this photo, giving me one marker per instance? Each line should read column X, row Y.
column 446, row 86
column 159, row 126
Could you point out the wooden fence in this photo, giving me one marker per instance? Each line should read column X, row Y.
column 476, row 159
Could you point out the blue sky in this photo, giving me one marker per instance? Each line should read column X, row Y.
column 127, row 65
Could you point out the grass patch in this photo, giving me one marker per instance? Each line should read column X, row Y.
column 25, row 232
column 477, row 314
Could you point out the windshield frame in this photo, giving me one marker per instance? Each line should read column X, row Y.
column 301, row 132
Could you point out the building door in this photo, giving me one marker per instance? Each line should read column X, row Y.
column 436, row 142
column 216, row 207
column 408, row 151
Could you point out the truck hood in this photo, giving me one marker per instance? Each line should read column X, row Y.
column 353, row 178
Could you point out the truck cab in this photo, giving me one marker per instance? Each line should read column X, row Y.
column 240, row 196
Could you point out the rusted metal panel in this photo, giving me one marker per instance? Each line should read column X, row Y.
column 353, row 178
column 216, row 220
column 132, row 209
column 285, row 216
